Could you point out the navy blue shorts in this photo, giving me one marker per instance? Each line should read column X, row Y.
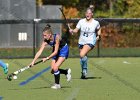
column 63, row 52
column 81, row 46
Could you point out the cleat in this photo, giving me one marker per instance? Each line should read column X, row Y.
column 68, row 76
column 56, row 86
column 83, row 76
column 5, row 69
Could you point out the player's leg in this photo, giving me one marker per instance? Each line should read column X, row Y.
column 55, row 65
column 66, row 72
column 4, row 66
column 56, row 76
column 83, row 61
column 64, row 52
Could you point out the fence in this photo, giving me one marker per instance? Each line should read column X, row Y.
column 120, row 38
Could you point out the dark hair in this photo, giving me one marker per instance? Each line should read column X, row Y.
column 48, row 25
column 47, row 28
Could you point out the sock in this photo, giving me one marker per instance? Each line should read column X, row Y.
column 63, row 71
column 83, row 62
column 57, row 76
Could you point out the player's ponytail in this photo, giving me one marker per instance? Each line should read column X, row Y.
column 91, row 9
column 48, row 25
column 47, row 29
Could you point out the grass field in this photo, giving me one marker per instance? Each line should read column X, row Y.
column 108, row 79
column 74, row 52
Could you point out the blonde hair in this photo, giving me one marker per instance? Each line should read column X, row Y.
column 90, row 8
column 47, row 29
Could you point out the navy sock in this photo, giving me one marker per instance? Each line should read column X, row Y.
column 57, row 76
column 63, row 71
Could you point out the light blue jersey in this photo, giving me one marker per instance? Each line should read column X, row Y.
column 88, row 31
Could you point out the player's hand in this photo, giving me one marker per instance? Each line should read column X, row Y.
column 32, row 64
column 45, row 59
column 98, row 38
column 71, row 31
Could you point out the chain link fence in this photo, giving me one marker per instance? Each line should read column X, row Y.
column 120, row 38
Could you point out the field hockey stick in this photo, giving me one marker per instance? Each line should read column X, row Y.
column 10, row 76
column 65, row 18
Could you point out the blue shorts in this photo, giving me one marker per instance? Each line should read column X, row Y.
column 63, row 52
column 81, row 46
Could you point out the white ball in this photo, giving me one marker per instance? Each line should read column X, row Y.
column 14, row 77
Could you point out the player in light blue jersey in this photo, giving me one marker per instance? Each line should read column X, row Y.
column 90, row 32
column 4, row 66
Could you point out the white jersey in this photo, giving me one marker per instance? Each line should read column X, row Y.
column 87, row 31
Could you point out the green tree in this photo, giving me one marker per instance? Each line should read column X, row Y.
column 133, row 9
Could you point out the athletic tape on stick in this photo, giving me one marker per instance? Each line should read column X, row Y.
column 35, row 76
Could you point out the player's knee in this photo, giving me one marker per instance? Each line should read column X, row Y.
column 84, row 58
column 55, row 68
column 82, row 55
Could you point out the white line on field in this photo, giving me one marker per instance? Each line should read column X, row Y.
column 126, row 62
column 73, row 95
column 101, row 61
column 90, row 72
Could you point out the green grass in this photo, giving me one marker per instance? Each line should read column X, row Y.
column 122, row 52
column 74, row 52
column 109, row 79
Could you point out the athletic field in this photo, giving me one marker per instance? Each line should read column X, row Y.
column 108, row 79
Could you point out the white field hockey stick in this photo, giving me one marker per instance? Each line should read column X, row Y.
column 10, row 76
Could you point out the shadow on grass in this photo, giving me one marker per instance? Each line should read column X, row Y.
column 93, row 77
column 45, row 87
column 63, row 87
column 89, row 78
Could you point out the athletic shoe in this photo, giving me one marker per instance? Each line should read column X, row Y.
column 68, row 75
column 56, row 86
column 83, row 76
column 5, row 69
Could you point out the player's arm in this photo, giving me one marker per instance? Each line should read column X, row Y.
column 39, row 52
column 56, row 48
column 74, row 30
column 78, row 26
column 98, row 34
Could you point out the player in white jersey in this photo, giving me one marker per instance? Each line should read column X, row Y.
column 90, row 32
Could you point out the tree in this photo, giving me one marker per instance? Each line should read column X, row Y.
column 133, row 9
